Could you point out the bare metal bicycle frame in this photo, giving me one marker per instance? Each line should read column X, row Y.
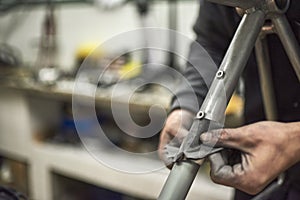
column 250, row 33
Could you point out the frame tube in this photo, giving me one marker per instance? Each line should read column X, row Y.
column 289, row 41
column 179, row 181
column 183, row 173
column 245, row 4
column 232, row 66
column 265, row 76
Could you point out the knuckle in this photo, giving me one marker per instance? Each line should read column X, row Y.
column 170, row 128
column 224, row 135
column 251, row 138
column 220, row 178
column 215, row 178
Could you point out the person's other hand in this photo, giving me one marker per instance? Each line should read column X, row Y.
column 266, row 149
column 176, row 128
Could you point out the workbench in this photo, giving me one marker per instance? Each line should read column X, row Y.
column 26, row 106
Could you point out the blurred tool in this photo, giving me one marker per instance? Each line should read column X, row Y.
column 48, row 43
column 9, row 56
column 10, row 194
column 113, row 69
column 142, row 7
column 109, row 4
column 46, row 66
column 86, row 49
column 130, row 68
column 125, row 67
column 88, row 53
column 11, row 67
column 172, row 61
column 13, row 174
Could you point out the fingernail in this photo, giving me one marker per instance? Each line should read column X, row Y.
column 205, row 137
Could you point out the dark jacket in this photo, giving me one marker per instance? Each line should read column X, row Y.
column 215, row 28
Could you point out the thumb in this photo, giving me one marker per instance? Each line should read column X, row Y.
column 229, row 138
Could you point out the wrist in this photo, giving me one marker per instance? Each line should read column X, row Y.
column 294, row 138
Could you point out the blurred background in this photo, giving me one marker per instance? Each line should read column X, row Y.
column 44, row 46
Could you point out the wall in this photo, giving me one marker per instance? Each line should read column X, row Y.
column 81, row 23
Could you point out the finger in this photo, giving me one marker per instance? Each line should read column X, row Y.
column 229, row 138
column 221, row 173
column 168, row 161
column 217, row 161
column 162, row 151
column 169, row 144
column 174, row 139
column 164, row 139
column 178, row 119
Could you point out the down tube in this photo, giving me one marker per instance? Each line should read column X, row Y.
column 183, row 173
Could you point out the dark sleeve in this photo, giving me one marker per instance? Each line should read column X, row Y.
column 214, row 29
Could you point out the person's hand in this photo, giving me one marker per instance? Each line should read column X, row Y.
column 176, row 128
column 266, row 149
